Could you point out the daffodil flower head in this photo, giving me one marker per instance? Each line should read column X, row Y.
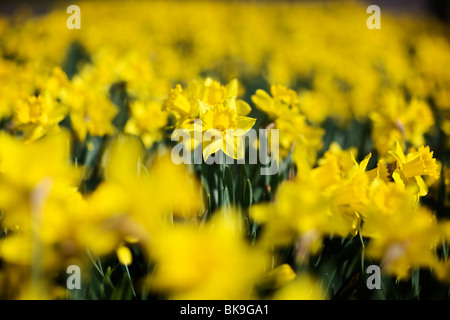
column 178, row 104
column 345, row 159
column 38, row 115
column 184, row 104
column 281, row 101
column 403, row 234
column 412, row 167
column 223, row 122
column 147, row 120
column 293, row 126
column 91, row 109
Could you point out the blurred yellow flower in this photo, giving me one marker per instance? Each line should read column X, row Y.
column 119, row 207
column 403, row 235
column 397, row 120
column 147, row 121
column 282, row 100
column 91, row 110
column 124, row 255
column 305, row 287
column 276, row 278
column 38, row 115
column 208, row 262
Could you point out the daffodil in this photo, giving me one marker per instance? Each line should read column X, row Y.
column 21, row 178
column 345, row 159
column 124, row 255
column 119, row 209
column 411, row 168
column 403, row 235
column 38, row 115
column 209, row 262
column 178, row 104
column 91, row 110
column 184, row 104
column 300, row 212
column 223, row 123
column 293, row 127
column 147, row 121
column 51, row 216
column 397, row 120
column 380, row 172
column 40, row 205
column 281, row 101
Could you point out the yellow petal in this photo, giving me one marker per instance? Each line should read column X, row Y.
column 261, row 213
column 234, row 147
column 262, row 100
column 423, row 189
column 230, row 103
column 131, row 239
column 16, row 249
column 364, row 163
column 232, row 88
column 277, row 277
column 399, row 152
column 203, row 107
column 245, row 123
column 397, row 178
column 121, row 158
column 124, row 255
column 212, row 148
column 242, row 108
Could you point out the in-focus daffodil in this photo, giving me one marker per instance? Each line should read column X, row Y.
column 223, row 128
column 410, row 168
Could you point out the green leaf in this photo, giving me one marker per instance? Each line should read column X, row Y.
column 248, row 194
column 229, row 183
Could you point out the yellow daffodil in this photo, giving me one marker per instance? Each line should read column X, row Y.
column 223, row 123
column 38, row 115
column 184, row 104
column 24, row 183
column 281, row 101
column 300, row 211
column 91, row 110
column 403, row 235
column 119, row 206
column 210, row 262
column 147, row 121
column 397, row 121
column 293, row 127
column 410, row 169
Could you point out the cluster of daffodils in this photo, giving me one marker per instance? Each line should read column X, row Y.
column 357, row 120
column 341, row 197
column 210, row 110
